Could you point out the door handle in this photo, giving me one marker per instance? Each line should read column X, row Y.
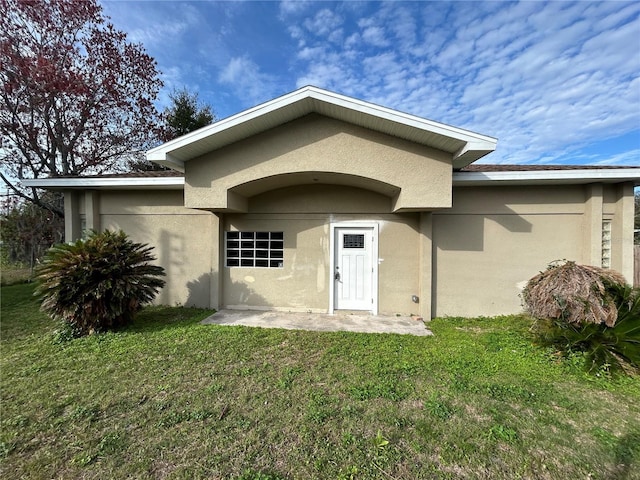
column 337, row 275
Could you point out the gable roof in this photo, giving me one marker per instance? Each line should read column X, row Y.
column 464, row 146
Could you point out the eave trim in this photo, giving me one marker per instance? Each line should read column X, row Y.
column 476, row 145
column 112, row 183
column 548, row 176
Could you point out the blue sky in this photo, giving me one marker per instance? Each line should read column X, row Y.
column 555, row 82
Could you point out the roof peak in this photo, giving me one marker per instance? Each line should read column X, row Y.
column 464, row 146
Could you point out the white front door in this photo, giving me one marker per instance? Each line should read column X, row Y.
column 353, row 276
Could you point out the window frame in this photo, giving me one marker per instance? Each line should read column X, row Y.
column 253, row 249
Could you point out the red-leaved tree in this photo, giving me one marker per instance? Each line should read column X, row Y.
column 75, row 96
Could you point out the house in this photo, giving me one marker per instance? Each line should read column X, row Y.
column 319, row 202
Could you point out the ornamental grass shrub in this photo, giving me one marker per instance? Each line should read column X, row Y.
column 97, row 283
column 581, row 308
column 576, row 293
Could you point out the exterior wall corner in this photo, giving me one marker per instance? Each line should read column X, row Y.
column 92, row 210
column 622, row 231
column 72, row 226
column 593, row 216
column 217, row 261
column 426, row 268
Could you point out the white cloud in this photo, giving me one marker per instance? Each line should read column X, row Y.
column 630, row 158
column 375, row 35
column 403, row 26
column 173, row 79
column 324, row 23
column 616, row 17
column 293, row 7
column 547, row 79
column 152, row 27
column 352, row 40
column 536, row 93
column 248, row 81
column 310, row 53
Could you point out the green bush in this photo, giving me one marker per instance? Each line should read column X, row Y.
column 605, row 348
column 98, row 283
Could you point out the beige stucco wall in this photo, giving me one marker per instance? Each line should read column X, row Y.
column 301, row 284
column 305, row 282
column 182, row 239
column 319, row 199
column 399, row 267
column 496, row 238
column 469, row 260
column 413, row 176
column 622, row 229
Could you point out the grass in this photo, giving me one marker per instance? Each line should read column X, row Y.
column 169, row 398
column 11, row 274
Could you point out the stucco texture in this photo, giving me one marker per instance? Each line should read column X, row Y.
column 305, row 282
column 495, row 239
column 318, row 149
column 182, row 240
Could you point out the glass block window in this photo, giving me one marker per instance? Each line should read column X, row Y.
column 254, row 249
column 606, row 244
column 353, row 241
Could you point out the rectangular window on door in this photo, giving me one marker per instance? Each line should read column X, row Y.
column 254, row 249
column 353, row 241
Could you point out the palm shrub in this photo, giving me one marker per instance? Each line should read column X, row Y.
column 580, row 308
column 97, row 283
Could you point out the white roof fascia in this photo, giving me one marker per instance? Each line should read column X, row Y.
column 541, row 177
column 460, row 159
column 96, row 182
column 166, row 159
column 224, row 124
column 162, row 153
column 401, row 117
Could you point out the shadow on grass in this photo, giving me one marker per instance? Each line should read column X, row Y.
column 157, row 318
column 626, row 452
column 21, row 315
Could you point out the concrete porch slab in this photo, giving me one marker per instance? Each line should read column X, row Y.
column 320, row 322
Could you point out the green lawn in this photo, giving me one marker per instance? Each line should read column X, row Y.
column 169, row 398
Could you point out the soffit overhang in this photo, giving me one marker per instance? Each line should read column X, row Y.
column 121, row 182
column 548, row 177
column 460, row 179
column 464, row 146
